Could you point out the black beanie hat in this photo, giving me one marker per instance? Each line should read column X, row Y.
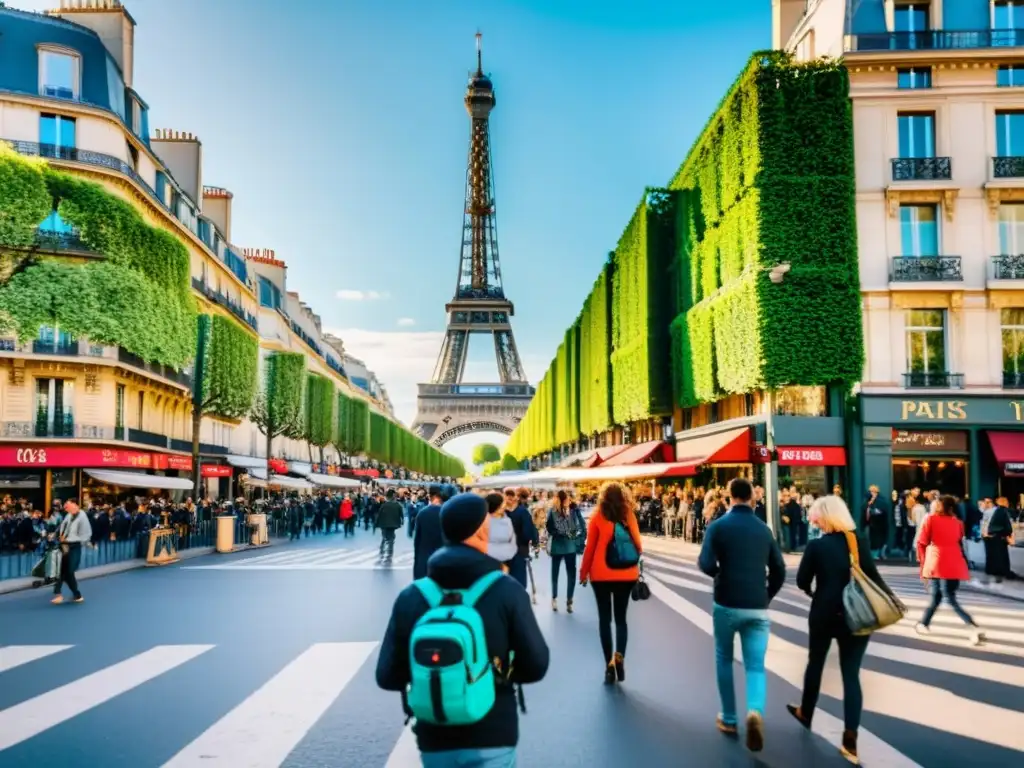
column 461, row 516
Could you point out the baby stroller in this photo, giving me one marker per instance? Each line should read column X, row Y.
column 47, row 570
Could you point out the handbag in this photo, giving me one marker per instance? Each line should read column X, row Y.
column 640, row 589
column 931, row 562
column 866, row 606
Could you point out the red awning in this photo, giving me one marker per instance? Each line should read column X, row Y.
column 1008, row 447
column 812, row 456
column 654, row 450
column 730, row 447
column 602, row 455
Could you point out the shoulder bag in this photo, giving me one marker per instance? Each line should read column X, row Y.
column 866, row 605
column 640, row 589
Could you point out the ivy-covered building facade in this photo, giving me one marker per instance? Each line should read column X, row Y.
column 129, row 323
column 726, row 322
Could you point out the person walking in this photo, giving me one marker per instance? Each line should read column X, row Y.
column 74, row 531
column 464, row 576
column 526, row 533
column 566, row 538
column 823, row 574
column 389, row 520
column 347, row 515
column 503, row 546
column 740, row 553
column 426, row 536
column 611, row 563
column 996, row 534
column 943, row 565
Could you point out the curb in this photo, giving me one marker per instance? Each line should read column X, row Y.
column 9, row 586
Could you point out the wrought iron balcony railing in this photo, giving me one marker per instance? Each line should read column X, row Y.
column 147, row 438
column 936, row 40
column 219, row 298
column 933, row 380
column 922, row 169
column 1007, row 167
column 62, row 347
column 61, row 241
column 1013, row 380
column 1008, row 267
column 63, row 425
column 917, row 269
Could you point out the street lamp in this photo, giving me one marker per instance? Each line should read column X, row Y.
column 776, row 274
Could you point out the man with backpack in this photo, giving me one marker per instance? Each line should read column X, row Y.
column 426, row 536
column 458, row 644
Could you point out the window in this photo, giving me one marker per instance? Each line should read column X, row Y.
column 57, row 131
column 161, row 187
column 1012, row 322
column 270, row 295
column 921, row 77
column 1011, row 229
column 910, row 20
column 805, row 48
column 919, row 230
column 119, row 399
column 917, row 134
column 54, row 417
column 58, row 74
column 136, row 117
column 1009, row 134
column 926, row 341
column 1010, row 75
column 1007, row 19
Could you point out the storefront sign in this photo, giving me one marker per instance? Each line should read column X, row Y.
column 759, row 454
column 929, row 442
column 953, row 410
column 278, row 466
column 66, row 456
column 215, row 470
column 366, row 473
column 823, row 456
column 1013, row 469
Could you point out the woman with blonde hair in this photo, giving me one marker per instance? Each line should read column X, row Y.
column 611, row 562
column 823, row 574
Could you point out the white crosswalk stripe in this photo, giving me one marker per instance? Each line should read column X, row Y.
column 313, row 559
column 12, row 656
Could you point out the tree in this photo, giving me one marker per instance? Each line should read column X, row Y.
column 509, row 463
column 486, row 452
column 278, row 407
column 319, row 413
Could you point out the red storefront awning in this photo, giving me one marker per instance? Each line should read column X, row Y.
column 62, row 456
column 730, row 447
column 652, row 451
column 601, row 455
column 811, row 456
column 1008, row 447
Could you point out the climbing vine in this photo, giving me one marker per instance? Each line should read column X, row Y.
column 319, row 407
column 278, row 407
column 230, row 373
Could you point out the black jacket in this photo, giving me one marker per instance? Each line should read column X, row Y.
column 390, row 515
column 824, row 573
column 738, row 551
column 426, row 539
column 510, row 627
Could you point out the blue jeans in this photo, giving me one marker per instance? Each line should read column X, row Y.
column 753, row 627
column 499, row 757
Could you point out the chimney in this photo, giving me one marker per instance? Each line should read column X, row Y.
column 217, row 207
column 112, row 22
column 182, row 153
column 786, row 17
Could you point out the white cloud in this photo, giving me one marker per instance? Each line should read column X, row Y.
column 406, row 322
column 348, row 294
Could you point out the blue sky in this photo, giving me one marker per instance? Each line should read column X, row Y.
column 339, row 127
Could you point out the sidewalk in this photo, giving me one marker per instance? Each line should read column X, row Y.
column 659, row 545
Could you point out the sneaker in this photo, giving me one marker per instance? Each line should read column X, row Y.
column 794, row 710
column 977, row 637
column 729, row 729
column 620, row 666
column 554, row 605
column 609, row 673
column 755, row 732
column 568, row 606
column 848, row 748
column 79, row 599
column 922, row 629
column 57, row 600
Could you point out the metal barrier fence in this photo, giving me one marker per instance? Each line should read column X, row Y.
column 19, row 565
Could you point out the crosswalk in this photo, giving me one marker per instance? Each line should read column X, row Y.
column 943, row 654
column 314, row 559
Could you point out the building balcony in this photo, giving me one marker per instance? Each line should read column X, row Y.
column 164, row 371
column 1013, row 380
column 47, row 240
column 922, row 169
column 1010, row 167
column 935, row 40
column 933, row 380
column 204, row 448
column 1008, row 267
column 60, row 347
column 219, row 298
column 926, row 269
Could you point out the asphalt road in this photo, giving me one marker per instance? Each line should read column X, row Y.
column 266, row 658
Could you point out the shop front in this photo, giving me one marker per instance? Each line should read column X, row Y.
column 45, row 473
column 971, row 447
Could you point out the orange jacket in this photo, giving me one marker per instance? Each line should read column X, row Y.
column 599, row 533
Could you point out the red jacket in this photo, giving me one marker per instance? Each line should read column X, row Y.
column 942, row 534
column 345, row 509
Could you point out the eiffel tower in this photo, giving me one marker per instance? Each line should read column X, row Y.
column 446, row 407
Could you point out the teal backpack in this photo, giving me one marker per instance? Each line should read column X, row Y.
column 453, row 680
column 621, row 553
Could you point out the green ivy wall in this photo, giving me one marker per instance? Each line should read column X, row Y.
column 232, row 360
column 770, row 180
